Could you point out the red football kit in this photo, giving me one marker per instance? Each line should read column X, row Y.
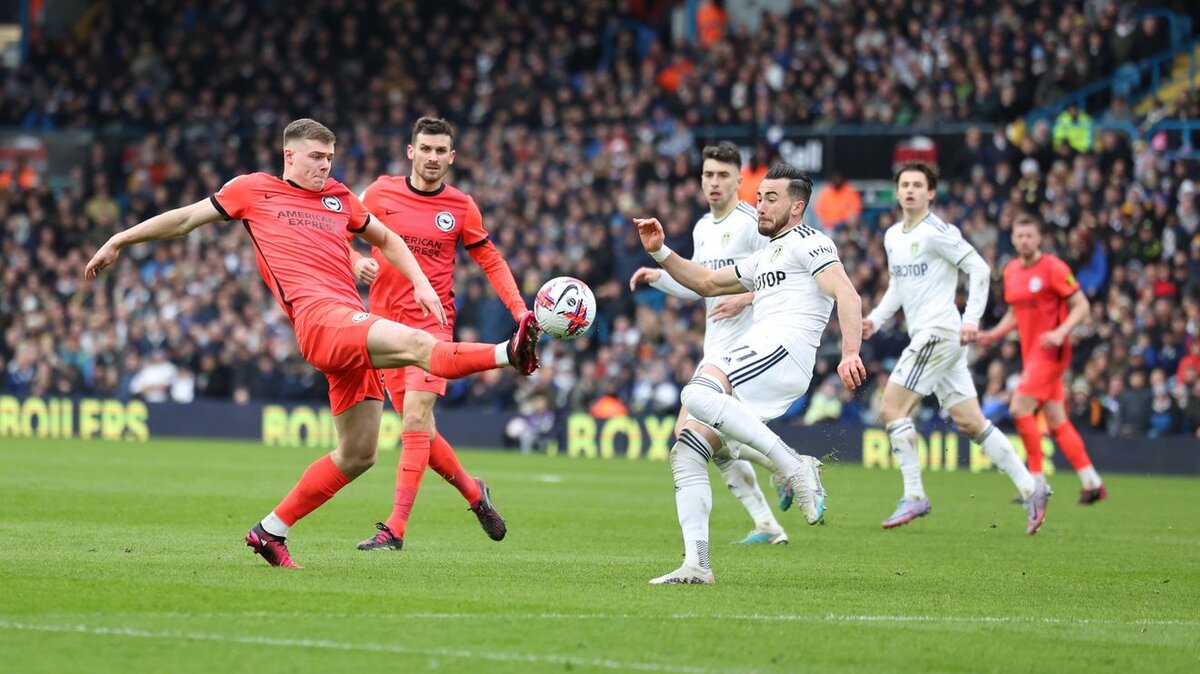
column 1038, row 297
column 300, row 243
column 432, row 224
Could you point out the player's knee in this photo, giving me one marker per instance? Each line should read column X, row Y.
column 890, row 412
column 418, row 418
column 355, row 460
column 394, row 345
column 704, row 398
column 971, row 425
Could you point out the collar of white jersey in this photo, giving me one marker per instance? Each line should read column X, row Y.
column 931, row 218
column 741, row 205
column 800, row 226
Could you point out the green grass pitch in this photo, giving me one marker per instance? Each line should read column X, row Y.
column 129, row 558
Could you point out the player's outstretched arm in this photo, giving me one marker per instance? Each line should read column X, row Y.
column 494, row 266
column 833, row 281
column 657, row 278
column 1006, row 325
column 698, row 279
column 174, row 223
column 398, row 254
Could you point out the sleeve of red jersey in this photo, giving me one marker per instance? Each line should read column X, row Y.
column 234, row 197
column 1005, row 275
column 359, row 215
column 1062, row 280
column 475, row 239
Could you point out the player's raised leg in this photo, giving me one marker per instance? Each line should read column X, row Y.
column 996, row 446
column 707, row 397
column 358, row 434
column 392, row 345
column 693, row 504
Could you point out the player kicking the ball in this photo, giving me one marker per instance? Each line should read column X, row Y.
column 433, row 217
column 924, row 257
column 1044, row 304
column 796, row 280
column 726, row 235
column 298, row 224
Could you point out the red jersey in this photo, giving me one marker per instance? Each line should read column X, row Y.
column 431, row 224
column 1038, row 297
column 299, row 237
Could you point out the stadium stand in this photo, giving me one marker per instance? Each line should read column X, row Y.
column 573, row 118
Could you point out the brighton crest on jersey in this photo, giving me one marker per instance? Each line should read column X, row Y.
column 720, row 244
column 787, row 301
column 923, row 263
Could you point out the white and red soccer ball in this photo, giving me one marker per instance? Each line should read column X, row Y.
column 565, row 307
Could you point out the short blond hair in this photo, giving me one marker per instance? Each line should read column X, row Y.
column 308, row 129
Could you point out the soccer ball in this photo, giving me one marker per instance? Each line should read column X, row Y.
column 565, row 307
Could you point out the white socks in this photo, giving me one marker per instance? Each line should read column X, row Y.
column 752, row 455
column 904, row 439
column 997, row 447
column 705, row 399
column 502, row 355
column 1089, row 478
column 275, row 526
column 743, row 483
column 693, row 495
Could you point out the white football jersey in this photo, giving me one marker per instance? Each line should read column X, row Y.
column 923, row 263
column 787, row 301
column 720, row 244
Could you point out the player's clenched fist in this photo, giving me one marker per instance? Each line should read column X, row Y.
column 852, row 372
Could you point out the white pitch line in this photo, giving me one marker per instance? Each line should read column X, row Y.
column 562, row 660
column 751, row 617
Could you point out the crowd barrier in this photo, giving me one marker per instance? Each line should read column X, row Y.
column 579, row 436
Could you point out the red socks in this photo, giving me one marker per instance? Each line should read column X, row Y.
column 318, row 484
column 414, row 457
column 443, row 460
column 1027, row 427
column 1072, row 446
column 454, row 360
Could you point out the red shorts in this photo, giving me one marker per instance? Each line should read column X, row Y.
column 1043, row 381
column 333, row 339
column 412, row 378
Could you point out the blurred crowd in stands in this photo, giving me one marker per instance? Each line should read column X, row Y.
column 573, row 118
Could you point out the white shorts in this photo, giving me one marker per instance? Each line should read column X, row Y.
column 766, row 375
column 936, row 365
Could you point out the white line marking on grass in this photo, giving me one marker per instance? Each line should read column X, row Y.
column 746, row 617
column 816, row 618
column 563, row 660
column 551, row 479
